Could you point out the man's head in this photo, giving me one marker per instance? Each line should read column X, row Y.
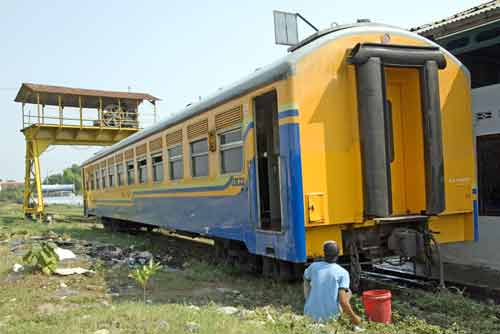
column 331, row 251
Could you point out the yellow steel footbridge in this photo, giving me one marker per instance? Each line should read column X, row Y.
column 54, row 115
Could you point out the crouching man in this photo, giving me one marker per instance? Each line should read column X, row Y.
column 326, row 288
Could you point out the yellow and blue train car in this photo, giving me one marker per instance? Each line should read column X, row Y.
column 362, row 134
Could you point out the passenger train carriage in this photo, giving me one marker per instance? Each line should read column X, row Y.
column 360, row 134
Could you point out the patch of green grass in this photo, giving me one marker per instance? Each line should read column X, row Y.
column 34, row 303
column 446, row 309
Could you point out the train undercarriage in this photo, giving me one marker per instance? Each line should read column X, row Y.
column 395, row 241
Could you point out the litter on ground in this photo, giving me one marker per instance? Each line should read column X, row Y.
column 72, row 271
column 17, row 267
column 64, row 254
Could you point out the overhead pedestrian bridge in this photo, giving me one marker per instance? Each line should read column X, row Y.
column 54, row 115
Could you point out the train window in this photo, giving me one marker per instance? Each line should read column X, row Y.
column 111, row 176
column 199, row 158
column 157, row 161
column 92, row 181
column 130, row 172
column 97, row 179
column 119, row 174
column 175, row 162
column 103, row 178
column 231, row 151
column 142, row 167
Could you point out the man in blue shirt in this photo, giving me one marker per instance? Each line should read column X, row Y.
column 326, row 288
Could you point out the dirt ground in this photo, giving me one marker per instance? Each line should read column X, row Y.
column 190, row 294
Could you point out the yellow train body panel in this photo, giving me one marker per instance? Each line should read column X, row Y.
column 330, row 142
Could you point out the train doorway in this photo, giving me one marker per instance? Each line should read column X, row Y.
column 405, row 140
column 268, row 161
column 405, row 79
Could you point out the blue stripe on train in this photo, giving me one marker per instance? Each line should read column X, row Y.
column 185, row 190
column 234, row 217
column 476, row 219
column 247, row 130
column 288, row 113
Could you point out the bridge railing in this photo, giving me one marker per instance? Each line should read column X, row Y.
column 113, row 117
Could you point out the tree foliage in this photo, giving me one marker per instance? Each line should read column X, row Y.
column 71, row 175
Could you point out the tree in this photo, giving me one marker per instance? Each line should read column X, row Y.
column 71, row 175
column 54, row 179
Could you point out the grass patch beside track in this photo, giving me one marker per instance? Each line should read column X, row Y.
column 187, row 296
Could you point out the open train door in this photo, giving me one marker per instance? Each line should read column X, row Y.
column 267, row 146
column 382, row 149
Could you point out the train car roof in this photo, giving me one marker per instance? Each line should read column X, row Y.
column 278, row 70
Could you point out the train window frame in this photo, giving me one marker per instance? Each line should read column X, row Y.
column 103, row 178
column 130, row 179
column 158, row 176
column 119, row 174
column 111, row 176
column 196, row 155
column 224, row 147
column 142, row 166
column 97, row 179
column 173, row 159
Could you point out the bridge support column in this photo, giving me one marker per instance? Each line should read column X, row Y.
column 33, row 198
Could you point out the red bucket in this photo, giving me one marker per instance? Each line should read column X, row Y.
column 378, row 305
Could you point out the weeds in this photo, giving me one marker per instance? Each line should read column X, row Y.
column 98, row 266
column 143, row 274
column 42, row 256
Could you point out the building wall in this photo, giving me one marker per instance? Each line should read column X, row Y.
column 483, row 253
column 486, row 108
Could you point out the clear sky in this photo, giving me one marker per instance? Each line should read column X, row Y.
column 176, row 50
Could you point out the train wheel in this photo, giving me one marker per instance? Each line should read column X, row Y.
column 285, row 271
column 254, row 263
column 108, row 224
column 270, row 267
column 234, row 252
column 298, row 271
column 220, row 251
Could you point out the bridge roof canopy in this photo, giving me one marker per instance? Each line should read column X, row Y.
column 71, row 97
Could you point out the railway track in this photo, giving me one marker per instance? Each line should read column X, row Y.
column 399, row 280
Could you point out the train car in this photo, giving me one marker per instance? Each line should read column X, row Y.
column 361, row 134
